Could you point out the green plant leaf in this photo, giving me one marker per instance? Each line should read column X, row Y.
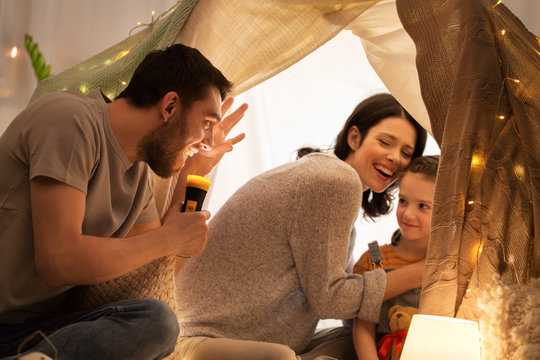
column 41, row 69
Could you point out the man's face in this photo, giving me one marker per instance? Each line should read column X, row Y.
column 163, row 149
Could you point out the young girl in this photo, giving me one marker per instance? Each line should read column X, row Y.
column 276, row 257
column 409, row 245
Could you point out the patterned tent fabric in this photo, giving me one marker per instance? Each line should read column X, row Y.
column 478, row 69
column 251, row 41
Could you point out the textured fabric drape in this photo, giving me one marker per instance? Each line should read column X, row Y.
column 391, row 53
column 478, row 68
column 251, row 41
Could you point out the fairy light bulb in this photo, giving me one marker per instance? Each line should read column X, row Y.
column 13, row 52
column 476, row 160
column 519, row 171
column 121, row 54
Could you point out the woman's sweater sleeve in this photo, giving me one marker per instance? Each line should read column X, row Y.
column 327, row 201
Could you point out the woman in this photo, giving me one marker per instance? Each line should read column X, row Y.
column 277, row 251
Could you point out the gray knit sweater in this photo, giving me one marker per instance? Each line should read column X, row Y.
column 276, row 256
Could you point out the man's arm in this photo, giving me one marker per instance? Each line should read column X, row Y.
column 65, row 256
column 364, row 340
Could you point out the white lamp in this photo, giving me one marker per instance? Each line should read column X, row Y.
column 441, row 338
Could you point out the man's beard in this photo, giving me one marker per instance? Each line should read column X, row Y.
column 161, row 148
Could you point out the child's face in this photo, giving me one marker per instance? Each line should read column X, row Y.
column 414, row 207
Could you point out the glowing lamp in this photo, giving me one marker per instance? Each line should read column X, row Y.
column 441, row 338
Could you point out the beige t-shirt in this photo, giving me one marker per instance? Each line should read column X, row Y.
column 67, row 137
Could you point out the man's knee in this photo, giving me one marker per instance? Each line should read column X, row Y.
column 162, row 320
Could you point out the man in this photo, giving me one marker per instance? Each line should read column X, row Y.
column 77, row 205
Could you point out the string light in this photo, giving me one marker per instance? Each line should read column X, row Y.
column 519, row 170
column 13, row 52
column 476, row 160
column 153, row 19
column 121, row 54
column 123, row 82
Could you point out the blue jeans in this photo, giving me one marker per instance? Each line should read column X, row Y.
column 130, row 329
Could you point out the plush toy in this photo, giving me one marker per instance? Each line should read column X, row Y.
column 400, row 317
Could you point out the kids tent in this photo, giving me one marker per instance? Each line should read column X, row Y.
column 465, row 69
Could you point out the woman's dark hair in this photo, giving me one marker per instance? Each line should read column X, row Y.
column 367, row 114
column 424, row 165
column 177, row 68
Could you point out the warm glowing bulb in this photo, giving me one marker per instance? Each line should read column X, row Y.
column 123, row 83
column 476, row 252
column 470, row 202
column 497, row 3
column 139, row 23
column 121, row 54
column 503, row 31
column 476, row 160
column 83, row 89
column 517, row 81
column 13, row 52
column 519, row 170
column 501, row 117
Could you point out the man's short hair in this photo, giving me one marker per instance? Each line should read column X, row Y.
column 177, row 68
